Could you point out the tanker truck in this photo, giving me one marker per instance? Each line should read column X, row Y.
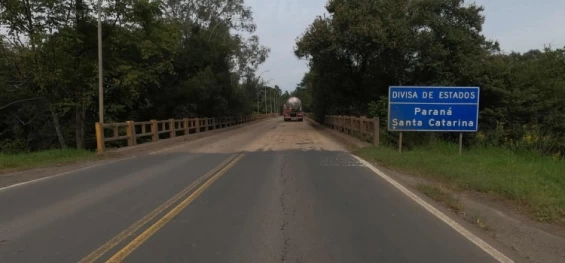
column 292, row 109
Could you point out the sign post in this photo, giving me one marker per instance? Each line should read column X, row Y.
column 460, row 143
column 400, row 142
column 433, row 109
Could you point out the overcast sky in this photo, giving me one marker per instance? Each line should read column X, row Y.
column 518, row 25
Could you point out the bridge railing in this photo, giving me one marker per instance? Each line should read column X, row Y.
column 132, row 133
column 366, row 129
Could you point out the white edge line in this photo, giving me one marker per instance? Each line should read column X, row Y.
column 457, row 227
column 64, row 173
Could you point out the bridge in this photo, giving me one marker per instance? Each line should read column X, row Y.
column 260, row 191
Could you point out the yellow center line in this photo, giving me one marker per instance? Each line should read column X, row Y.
column 96, row 254
column 139, row 240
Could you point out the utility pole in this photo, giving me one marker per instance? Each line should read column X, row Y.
column 258, row 81
column 277, row 102
column 100, row 67
column 266, row 107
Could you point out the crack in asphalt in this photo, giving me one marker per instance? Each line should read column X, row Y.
column 283, row 205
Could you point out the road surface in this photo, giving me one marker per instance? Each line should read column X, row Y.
column 271, row 191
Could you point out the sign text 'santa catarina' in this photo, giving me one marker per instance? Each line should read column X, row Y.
column 441, row 109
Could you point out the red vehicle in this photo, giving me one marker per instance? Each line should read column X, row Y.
column 292, row 110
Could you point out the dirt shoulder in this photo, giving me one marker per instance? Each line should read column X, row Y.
column 491, row 216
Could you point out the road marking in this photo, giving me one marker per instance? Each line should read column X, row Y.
column 457, row 227
column 100, row 251
column 87, row 167
column 143, row 237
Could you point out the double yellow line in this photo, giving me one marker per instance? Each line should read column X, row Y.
column 215, row 173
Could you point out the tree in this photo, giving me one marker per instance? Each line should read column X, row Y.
column 365, row 46
column 162, row 59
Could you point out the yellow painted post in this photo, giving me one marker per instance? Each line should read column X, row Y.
column 131, row 133
column 99, row 137
column 155, row 130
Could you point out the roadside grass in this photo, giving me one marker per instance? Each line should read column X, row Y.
column 23, row 161
column 440, row 195
column 530, row 180
column 479, row 221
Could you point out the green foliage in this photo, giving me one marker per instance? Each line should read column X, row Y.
column 162, row 59
column 19, row 161
column 365, row 46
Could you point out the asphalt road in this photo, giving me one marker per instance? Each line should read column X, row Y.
column 268, row 192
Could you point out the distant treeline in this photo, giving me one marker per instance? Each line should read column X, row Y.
column 364, row 46
column 162, row 59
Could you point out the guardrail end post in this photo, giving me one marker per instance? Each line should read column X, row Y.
column 155, row 130
column 99, row 137
column 376, row 131
column 131, row 133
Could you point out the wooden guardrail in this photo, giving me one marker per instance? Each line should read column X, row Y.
column 132, row 131
column 366, row 129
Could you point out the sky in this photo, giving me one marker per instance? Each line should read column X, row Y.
column 518, row 25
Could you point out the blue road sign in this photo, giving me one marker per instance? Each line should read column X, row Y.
column 433, row 109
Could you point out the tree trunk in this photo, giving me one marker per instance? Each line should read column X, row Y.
column 60, row 136
column 79, row 125
column 79, row 108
